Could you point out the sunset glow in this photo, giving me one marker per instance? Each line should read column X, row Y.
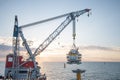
column 97, row 36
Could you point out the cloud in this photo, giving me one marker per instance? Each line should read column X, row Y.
column 93, row 47
column 99, row 52
column 6, row 49
column 6, row 40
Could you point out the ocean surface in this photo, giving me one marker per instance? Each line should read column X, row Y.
column 94, row 70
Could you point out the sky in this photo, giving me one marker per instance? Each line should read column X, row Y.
column 98, row 36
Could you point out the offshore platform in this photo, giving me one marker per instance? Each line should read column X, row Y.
column 18, row 69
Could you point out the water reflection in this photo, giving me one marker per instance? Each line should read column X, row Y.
column 94, row 71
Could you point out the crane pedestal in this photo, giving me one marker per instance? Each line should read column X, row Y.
column 78, row 73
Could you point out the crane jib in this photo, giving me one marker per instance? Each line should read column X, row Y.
column 78, row 13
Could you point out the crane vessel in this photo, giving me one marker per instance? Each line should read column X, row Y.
column 18, row 69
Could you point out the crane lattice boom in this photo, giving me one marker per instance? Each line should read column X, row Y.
column 18, row 31
column 71, row 16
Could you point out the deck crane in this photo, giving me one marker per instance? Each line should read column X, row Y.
column 16, row 68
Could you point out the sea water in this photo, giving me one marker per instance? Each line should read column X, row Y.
column 94, row 70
